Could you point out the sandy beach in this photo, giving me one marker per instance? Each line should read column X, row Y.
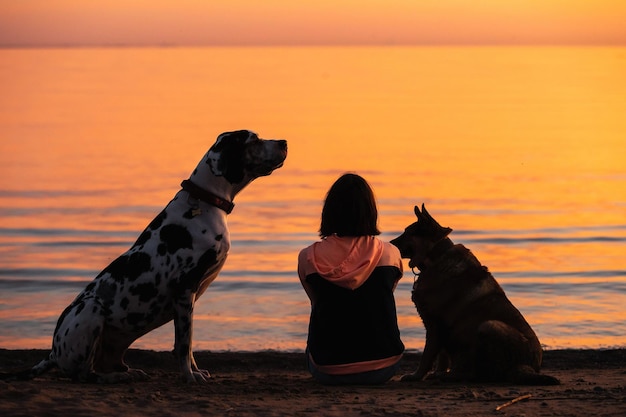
column 276, row 384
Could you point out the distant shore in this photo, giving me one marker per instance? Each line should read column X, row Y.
column 272, row 383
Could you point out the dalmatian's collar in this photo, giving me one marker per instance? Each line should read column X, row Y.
column 207, row 197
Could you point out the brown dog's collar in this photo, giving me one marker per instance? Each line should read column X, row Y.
column 207, row 197
column 436, row 252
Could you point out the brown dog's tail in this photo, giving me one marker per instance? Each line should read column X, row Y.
column 525, row 375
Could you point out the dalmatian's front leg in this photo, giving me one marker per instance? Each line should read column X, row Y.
column 203, row 372
column 183, row 330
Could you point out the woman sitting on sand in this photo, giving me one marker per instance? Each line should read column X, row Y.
column 350, row 276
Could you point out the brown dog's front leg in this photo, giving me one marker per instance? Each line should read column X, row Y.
column 431, row 350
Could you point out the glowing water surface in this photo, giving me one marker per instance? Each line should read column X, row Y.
column 519, row 150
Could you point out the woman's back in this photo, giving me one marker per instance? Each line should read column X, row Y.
column 354, row 325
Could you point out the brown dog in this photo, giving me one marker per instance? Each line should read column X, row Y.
column 471, row 326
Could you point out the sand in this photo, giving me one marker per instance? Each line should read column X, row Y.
column 276, row 384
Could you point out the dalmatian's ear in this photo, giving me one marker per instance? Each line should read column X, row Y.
column 226, row 156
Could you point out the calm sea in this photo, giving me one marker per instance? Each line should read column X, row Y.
column 522, row 151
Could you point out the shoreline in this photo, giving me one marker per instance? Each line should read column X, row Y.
column 273, row 383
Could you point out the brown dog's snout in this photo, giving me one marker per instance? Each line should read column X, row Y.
column 399, row 243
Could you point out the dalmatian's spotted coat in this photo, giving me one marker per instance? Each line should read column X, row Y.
column 162, row 275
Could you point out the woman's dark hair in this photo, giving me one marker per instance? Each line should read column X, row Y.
column 350, row 208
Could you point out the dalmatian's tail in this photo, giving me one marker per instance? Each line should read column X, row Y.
column 23, row 375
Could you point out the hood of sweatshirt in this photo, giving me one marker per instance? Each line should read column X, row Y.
column 346, row 261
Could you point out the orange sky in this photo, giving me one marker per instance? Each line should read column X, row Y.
column 279, row 22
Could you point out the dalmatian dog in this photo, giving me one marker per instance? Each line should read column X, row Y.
column 163, row 274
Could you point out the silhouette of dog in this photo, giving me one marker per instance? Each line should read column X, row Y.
column 473, row 331
column 162, row 275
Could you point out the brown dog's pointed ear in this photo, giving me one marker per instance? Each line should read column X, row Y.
column 416, row 210
column 443, row 231
column 425, row 213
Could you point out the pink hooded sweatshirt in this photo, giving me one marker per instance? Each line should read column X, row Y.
column 348, row 262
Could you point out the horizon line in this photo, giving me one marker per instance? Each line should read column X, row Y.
column 306, row 44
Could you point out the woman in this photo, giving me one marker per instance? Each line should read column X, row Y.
column 350, row 276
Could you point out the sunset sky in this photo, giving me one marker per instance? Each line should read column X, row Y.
column 324, row 22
